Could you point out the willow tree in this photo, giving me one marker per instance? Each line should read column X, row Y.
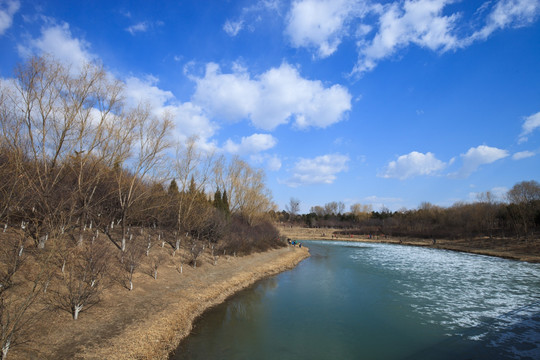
column 193, row 172
column 245, row 186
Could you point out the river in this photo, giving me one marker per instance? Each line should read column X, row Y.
column 378, row 301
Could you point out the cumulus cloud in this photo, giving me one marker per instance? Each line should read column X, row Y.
column 523, row 155
column 530, row 124
column 414, row 164
column 146, row 91
column 419, row 22
column 319, row 170
column 272, row 98
column 58, row 41
column 189, row 119
column 321, row 24
column 251, row 144
column 478, row 156
column 7, row 11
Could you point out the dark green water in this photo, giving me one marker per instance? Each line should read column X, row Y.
column 376, row 301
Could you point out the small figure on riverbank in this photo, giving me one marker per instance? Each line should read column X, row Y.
column 300, row 245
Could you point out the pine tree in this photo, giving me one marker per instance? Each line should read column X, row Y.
column 192, row 186
column 218, row 202
column 225, row 203
column 173, row 188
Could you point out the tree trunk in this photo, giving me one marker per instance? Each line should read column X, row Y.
column 5, row 348
column 76, row 310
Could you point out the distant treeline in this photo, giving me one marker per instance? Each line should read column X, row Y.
column 518, row 216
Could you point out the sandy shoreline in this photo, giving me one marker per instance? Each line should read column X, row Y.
column 504, row 248
column 150, row 321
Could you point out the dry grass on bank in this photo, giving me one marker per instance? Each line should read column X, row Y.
column 508, row 248
column 150, row 321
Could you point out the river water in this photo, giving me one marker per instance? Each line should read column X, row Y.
column 378, row 301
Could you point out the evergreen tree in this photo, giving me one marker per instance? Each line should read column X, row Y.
column 225, row 203
column 173, row 188
column 218, row 202
column 192, row 186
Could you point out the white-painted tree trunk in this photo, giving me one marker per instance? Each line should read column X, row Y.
column 5, row 349
column 5, row 227
column 76, row 309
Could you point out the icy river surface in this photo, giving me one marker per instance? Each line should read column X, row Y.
column 378, row 301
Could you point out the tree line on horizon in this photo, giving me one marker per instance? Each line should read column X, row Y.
column 91, row 187
column 517, row 216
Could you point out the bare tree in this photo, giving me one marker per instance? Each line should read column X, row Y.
column 83, row 279
column 525, row 199
column 194, row 169
column 130, row 260
column 16, row 321
column 248, row 194
column 293, row 207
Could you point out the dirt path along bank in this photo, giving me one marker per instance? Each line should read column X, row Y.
column 150, row 321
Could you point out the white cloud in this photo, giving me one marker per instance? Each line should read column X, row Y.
column 271, row 99
column 274, row 163
column 139, row 27
column 320, row 170
column 146, row 91
column 58, row 41
column 530, row 124
column 232, row 28
column 7, row 11
column 321, row 24
column 143, row 26
column 250, row 145
column 508, row 13
column 419, row 22
column 478, row 156
column 414, row 164
column 189, row 119
column 523, row 155
column 249, row 15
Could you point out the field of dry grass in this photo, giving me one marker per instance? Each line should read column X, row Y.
column 150, row 321
column 508, row 248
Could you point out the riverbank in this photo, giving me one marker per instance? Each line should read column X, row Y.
column 150, row 321
column 507, row 248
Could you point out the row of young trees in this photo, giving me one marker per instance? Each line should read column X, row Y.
column 517, row 216
column 86, row 193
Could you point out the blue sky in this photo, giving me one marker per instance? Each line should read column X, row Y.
column 375, row 102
